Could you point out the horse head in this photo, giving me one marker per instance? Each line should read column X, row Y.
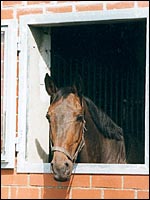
column 66, row 125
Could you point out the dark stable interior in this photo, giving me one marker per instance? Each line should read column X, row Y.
column 110, row 58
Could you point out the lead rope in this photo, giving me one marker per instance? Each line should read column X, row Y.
column 75, row 157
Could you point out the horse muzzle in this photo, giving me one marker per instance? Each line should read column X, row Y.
column 61, row 167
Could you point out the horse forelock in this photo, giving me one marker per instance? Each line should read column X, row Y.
column 62, row 93
column 103, row 122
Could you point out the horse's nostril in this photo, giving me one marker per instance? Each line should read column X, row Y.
column 67, row 165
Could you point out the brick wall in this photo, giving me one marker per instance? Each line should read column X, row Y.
column 42, row 186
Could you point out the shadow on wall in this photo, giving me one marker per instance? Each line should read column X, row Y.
column 54, row 189
column 43, row 155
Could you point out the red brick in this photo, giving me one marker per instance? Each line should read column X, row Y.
column 16, row 122
column 7, row 14
column 106, row 181
column 138, row 182
column 80, row 180
column 118, row 194
column 90, row 7
column 143, row 195
column 24, row 193
column 7, row 178
column 17, row 105
column 17, row 69
column 20, row 179
column 53, row 193
column 120, row 5
column 86, row 194
column 14, row 179
column 77, row 180
column 29, row 11
column 11, row 3
column 61, row 9
column 37, row 2
column 7, row 172
column 43, row 180
column 143, row 3
column 17, row 87
column 4, row 192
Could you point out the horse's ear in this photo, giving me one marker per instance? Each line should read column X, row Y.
column 78, row 85
column 50, row 85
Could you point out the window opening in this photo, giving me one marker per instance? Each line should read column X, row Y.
column 111, row 60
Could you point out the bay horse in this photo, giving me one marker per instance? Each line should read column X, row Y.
column 79, row 131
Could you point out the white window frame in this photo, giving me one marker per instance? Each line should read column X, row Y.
column 72, row 18
column 9, row 102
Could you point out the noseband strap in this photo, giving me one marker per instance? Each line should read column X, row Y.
column 72, row 158
column 61, row 149
column 80, row 146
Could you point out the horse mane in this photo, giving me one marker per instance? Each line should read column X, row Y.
column 103, row 122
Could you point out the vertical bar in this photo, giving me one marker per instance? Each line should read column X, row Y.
column 133, row 100
column 121, row 98
column 100, row 86
column 116, row 92
column 137, row 97
column 88, row 78
column 105, row 89
column 94, row 77
column 111, row 91
column 70, row 70
column 127, row 103
column 63, row 70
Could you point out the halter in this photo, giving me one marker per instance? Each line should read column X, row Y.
column 80, row 146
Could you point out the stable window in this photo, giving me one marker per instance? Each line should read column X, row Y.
column 110, row 58
column 8, row 92
column 111, row 54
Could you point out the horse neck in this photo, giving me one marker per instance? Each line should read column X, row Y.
column 93, row 139
column 101, row 149
column 90, row 124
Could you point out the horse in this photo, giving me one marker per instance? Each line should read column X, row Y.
column 79, row 131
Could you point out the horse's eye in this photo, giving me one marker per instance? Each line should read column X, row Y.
column 48, row 117
column 80, row 118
